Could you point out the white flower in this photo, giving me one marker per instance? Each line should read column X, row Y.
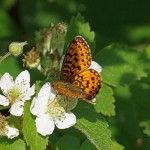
column 16, row 92
column 6, row 130
column 11, row 132
column 51, row 109
column 94, row 65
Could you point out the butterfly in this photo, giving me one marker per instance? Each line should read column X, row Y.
column 76, row 78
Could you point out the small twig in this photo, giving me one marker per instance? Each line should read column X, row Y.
column 5, row 56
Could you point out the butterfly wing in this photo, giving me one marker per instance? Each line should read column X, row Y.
column 89, row 81
column 77, row 59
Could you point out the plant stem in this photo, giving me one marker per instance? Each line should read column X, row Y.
column 5, row 56
column 3, row 108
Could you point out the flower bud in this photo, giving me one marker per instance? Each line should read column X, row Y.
column 58, row 39
column 16, row 48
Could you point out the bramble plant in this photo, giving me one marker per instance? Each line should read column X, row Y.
column 34, row 116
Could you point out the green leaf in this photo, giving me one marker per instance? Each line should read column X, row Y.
column 105, row 101
column 147, row 52
column 132, row 107
column 116, row 146
column 140, row 94
column 33, row 139
column 68, row 142
column 7, row 144
column 14, row 69
column 78, row 26
column 138, row 33
column 120, row 64
column 7, row 26
column 87, row 145
column 15, row 121
column 146, row 126
column 94, row 127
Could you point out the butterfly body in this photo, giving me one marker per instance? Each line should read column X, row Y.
column 77, row 79
column 70, row 90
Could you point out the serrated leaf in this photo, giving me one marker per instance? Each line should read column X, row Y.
column 87, row 145
column 105, row 101
column 68, row 142
column 7, row 144
column 94, row 127
column 78, row 26
column 121, row 65
column 33, row 139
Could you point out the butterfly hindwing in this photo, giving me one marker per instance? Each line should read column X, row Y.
column 89, row 81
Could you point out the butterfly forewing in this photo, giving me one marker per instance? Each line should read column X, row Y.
column 77, row 59
column 89, row 81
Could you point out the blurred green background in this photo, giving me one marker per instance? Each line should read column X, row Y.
column 113, row 21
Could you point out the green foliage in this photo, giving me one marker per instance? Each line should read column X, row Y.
column 116, row 146
column 123, row 99
column 78, row 26
column 87, row 145
column 14, row 144
column 12, row 66
column 105, row 101
column 68, row 142
column 94, row 127
column 146, row 126
column 33, row 139
column 7, row 28
column 117, row 69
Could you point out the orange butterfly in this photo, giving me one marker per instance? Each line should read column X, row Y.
column 76, row 79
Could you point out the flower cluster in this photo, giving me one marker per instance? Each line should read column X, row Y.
column 16, row 92
column 49, row 108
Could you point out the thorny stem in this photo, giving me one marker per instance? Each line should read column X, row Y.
column 5, row 56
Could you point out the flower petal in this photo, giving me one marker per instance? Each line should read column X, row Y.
column 46, row 89
column 6, row 82
column 4, row 101
column 11, row 132
column 23, row 80
column 95, row 66
column 45, row 125
column 17, row 108
column 94, row 100
column 70, row 120
column 27, row 95
column 40, row 103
